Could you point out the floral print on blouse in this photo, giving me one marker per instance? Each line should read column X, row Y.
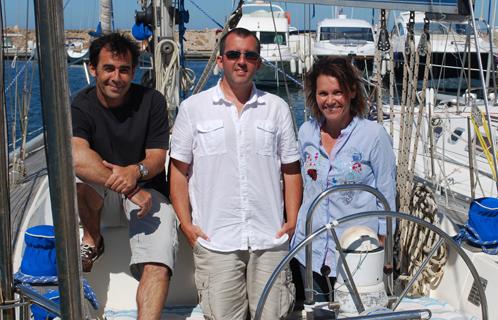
column 362, row 154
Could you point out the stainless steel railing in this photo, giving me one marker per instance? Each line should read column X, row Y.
column 388, row 214
column 309, row 299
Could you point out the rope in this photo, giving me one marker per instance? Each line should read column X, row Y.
column 391, row 91
column 411, row 68
column 29, row 280
column 416, row 242
column 382, row 47
column 478, row 121
column 402, row 163
column 425, row 49
column 166, row 75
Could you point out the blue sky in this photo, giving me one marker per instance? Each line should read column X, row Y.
column 84, row 13
column 80, row 14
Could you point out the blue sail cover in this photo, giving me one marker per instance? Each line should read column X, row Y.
column 98, row 31
column 39, row 257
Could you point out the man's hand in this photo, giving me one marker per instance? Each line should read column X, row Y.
column 287, row 228
column 143, row 199
column 122, row 179
column 192, row 232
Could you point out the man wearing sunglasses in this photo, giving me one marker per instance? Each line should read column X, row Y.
column 231, row 145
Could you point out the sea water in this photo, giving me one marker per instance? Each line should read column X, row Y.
column 22, row 76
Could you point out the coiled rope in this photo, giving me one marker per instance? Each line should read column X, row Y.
column 416, row 242
column 166, row 75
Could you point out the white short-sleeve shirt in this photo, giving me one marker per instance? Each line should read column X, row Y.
column 235, row 174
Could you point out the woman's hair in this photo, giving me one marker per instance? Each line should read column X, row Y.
column 349, row 79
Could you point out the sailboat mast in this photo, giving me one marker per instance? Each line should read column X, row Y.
column 106, row 16
column 6, row 284
column 57, row 119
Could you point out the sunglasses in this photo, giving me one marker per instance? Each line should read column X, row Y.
column 235, row 55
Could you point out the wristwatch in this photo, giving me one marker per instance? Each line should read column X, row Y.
column 143, row 170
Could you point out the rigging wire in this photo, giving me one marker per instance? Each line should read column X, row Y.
column 285, row 78
column 206, row 14
column 231, row 23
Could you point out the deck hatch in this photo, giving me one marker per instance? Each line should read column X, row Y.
column 474, row 297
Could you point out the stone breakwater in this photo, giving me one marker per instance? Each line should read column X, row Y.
column 195, row 41
column 198, row 43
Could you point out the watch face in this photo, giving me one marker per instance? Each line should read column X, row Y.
column 143, row 170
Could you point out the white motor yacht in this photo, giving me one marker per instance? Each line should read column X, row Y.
column 270, row 23
column 451, row 48
column 345, row 37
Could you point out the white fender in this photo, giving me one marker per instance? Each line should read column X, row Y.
column 293, row 66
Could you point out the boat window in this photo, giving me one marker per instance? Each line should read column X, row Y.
column 464, row 28
column 455, row 135
column 434, row 28
column 346, row 33
column 401, row 29
column 272, row 38
column 437, row 133
column 461, row 28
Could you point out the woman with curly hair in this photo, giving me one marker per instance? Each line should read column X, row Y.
column 338, row 145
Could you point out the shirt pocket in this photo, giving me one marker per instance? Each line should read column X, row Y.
column 211, row 137
column 266, row 137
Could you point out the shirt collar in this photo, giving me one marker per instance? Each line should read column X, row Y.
column 219, row 96
column 345, row 133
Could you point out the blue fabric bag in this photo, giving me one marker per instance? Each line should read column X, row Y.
column 481, row 229
column 141, row 31
column 40, row 313
column 39, row 257
column 483, row 218
column 39, row 267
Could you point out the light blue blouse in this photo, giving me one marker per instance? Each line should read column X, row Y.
column 363, row 154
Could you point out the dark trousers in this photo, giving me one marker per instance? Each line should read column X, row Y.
column 320, row 287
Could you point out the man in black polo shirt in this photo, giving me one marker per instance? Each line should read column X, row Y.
column 120, row 137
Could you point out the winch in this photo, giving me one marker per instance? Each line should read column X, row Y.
column 365, row 259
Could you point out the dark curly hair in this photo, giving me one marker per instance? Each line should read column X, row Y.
column 349, row 79
column 117, row 43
